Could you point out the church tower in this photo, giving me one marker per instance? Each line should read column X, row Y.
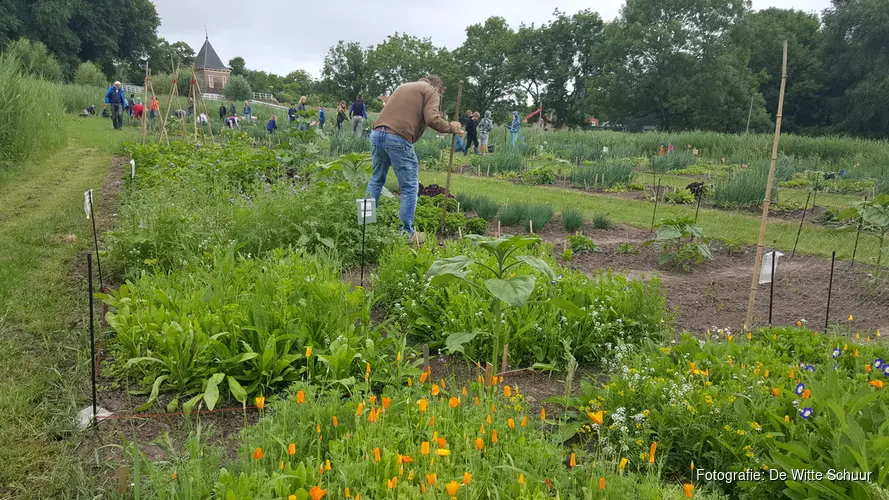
column 212, row 75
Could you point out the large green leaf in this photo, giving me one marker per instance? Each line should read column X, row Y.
column 455, row 341
column 451, row 265
column 538, row 264
column 155, row 389
column 211, row 393
column 504, row 243
column 567, row 307
column 237, row 390
column 514, row 291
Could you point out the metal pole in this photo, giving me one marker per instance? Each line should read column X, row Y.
column 657, row 190
column 833, row 259
column 800, row 230
column 698, row 207
column 444, row 208
column 96, row 243
column 89, row 275
column 772, row 288
column 750, row 114
column 363, row 232
column 857, row 235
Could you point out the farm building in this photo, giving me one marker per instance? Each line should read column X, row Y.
column 211, row 73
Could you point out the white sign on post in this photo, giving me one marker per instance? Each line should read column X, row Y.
column 765, row 272
column 132, row 169
column 87, row 202
column 367, row 210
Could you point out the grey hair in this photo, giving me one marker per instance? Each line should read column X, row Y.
column 435, row 82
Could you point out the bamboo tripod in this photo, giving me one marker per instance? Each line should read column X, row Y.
column 174, row 92
column 767, row 202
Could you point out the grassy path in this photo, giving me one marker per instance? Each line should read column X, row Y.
column 718, row 224
column 43, row 361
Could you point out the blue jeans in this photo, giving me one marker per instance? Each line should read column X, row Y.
column 394, row 150
column 515, row 136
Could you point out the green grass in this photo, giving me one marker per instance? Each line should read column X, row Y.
column 42, row 324
column 572, row 219
column 718, row 224
column 604, row 173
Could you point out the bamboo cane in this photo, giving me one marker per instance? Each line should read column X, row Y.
column 766, row 203
column 444, row 208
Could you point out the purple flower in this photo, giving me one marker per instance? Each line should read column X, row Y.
column 810, row 368
column 836, row 353
column 886, row 370
column 878, row 363
column 806, row 413
column 800, row 388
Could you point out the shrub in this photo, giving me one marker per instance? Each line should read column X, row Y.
column 486, row 207
column 539, row 175
column 476, row 225
column 89, row 74
column 514, row 214
column 602, row 221
column 680, row 197
column 539, row 215
column 681, row 243
column 580, row 244
column 237, row 88
column 572, row 219
column 34, row 59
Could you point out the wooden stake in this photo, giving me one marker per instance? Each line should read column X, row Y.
column 425, row 357
column 498, row 228
column 489, row 374
column 505, row 358
column 531, row 225
column 444, row 209
column 766, row 203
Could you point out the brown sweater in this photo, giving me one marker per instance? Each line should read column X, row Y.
column 410, row 109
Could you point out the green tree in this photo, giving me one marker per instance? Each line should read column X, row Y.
column 485, row 61
column 237, row 65
column 237, row 88
column 345, row 73
column 857, row 61
column 35, row 59
column 400, row 58
column 165, row 56
column 89, row 74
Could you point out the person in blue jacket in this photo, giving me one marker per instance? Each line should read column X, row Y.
column 118, row 100
column 272, row 125
column 292, row 112
column 248, row 111
column 514, row 127
column 322, row 117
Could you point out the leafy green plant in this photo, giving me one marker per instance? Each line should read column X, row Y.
column 734, row 246
column 627, row 248
column 476, row 225
column 680, row 197
column 567, row 255
column 539, row 175
column 874, row 214
column 681, row 243
column 602, row 221
column 580, row 244
column 572, row 219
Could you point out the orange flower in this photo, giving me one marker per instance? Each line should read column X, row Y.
column 524, row 420
column 366, row 370
column 776, row 391
column 442, row 442
column 423, row 404
column 867, row 368
column 373, row 399
column 423, row 377
column 790, row 375
column 493, row 408
column 494, row 436
column 476, row 401
column 521, row 479
column 308, row 351
column 346, row 493
column 327, row 465
column 692, row 367
column 291, row 449
column 453, row 402
column 260, row 402
column 651, row 452
column 377, row 454
column 623, row 464
column 480, row 380
column 463, row 391
column 175, row 476
column 572, row 462
column 597, row 417
column 467, row 478
column 386, row 402
column 360, row 410
column 601, row 483
column 511, row 423
column 542, row 413
column 336, row 423
column 300, row 397
column 688, row 488
column 806, row 394
column 410, row 383
column 406, row 459
column 318, row 428
column 392, row 482
column 258, row 454
column 432, row 421
column 424, row 448
column 479, row 444
column 444, row 385
column 436, row 389
column 316, row 493
column 877, row 383
column 507, row 391
column 422, row 488
column 452, row 487
column 488, row 419
column 430, row 479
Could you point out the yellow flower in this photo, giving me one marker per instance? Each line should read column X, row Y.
column 260, row 402
column 327, row 465
column 572, row 462
column 392, row 482
column 467, row 478
column 463, row 391
column 521, row 479
column 346, row 493
column 366, row 370
column 281, row 465
column 398, row 356
column 443, row 452
column 786, row 419
column 308, row 351
column 851, row 318
column 740, row 432
column 435, row 389
column 597, row 417
column 755, row 426
column 423, row 404
column 623, row 464
column 291, row 449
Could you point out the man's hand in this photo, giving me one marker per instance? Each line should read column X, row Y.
column 456, row 129
column 106, row 105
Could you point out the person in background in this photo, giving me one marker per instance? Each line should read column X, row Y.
column 302, row 104
column 322, row 117
column 292, row 112
column 484, row 128
column 222, row 112
column 131, row 102
column 272, row 125
column 203, row 119
column 154, row 107
column 118, row 100
column 358, row 113
column 137, row 109
column 232, row 110
column 232, row 122
column 91, row 109
column 410, row 109
column 670, row 148
column 514, row 127
column 248, row 111
column 471, row 133
column 340, row 116
column 190, row 106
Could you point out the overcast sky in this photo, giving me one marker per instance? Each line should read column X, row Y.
column 280, row 36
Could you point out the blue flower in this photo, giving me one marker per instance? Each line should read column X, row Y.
column 878, row 363
column 810, row 368
column 886, row 370
column 800, row 388
column 806, row 413
column 836, row 353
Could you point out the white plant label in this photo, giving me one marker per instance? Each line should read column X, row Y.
column 88, row 202
column 367, row 210
column 765, row 272
column 132, row 169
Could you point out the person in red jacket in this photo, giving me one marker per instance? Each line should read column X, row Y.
column 138, row 109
